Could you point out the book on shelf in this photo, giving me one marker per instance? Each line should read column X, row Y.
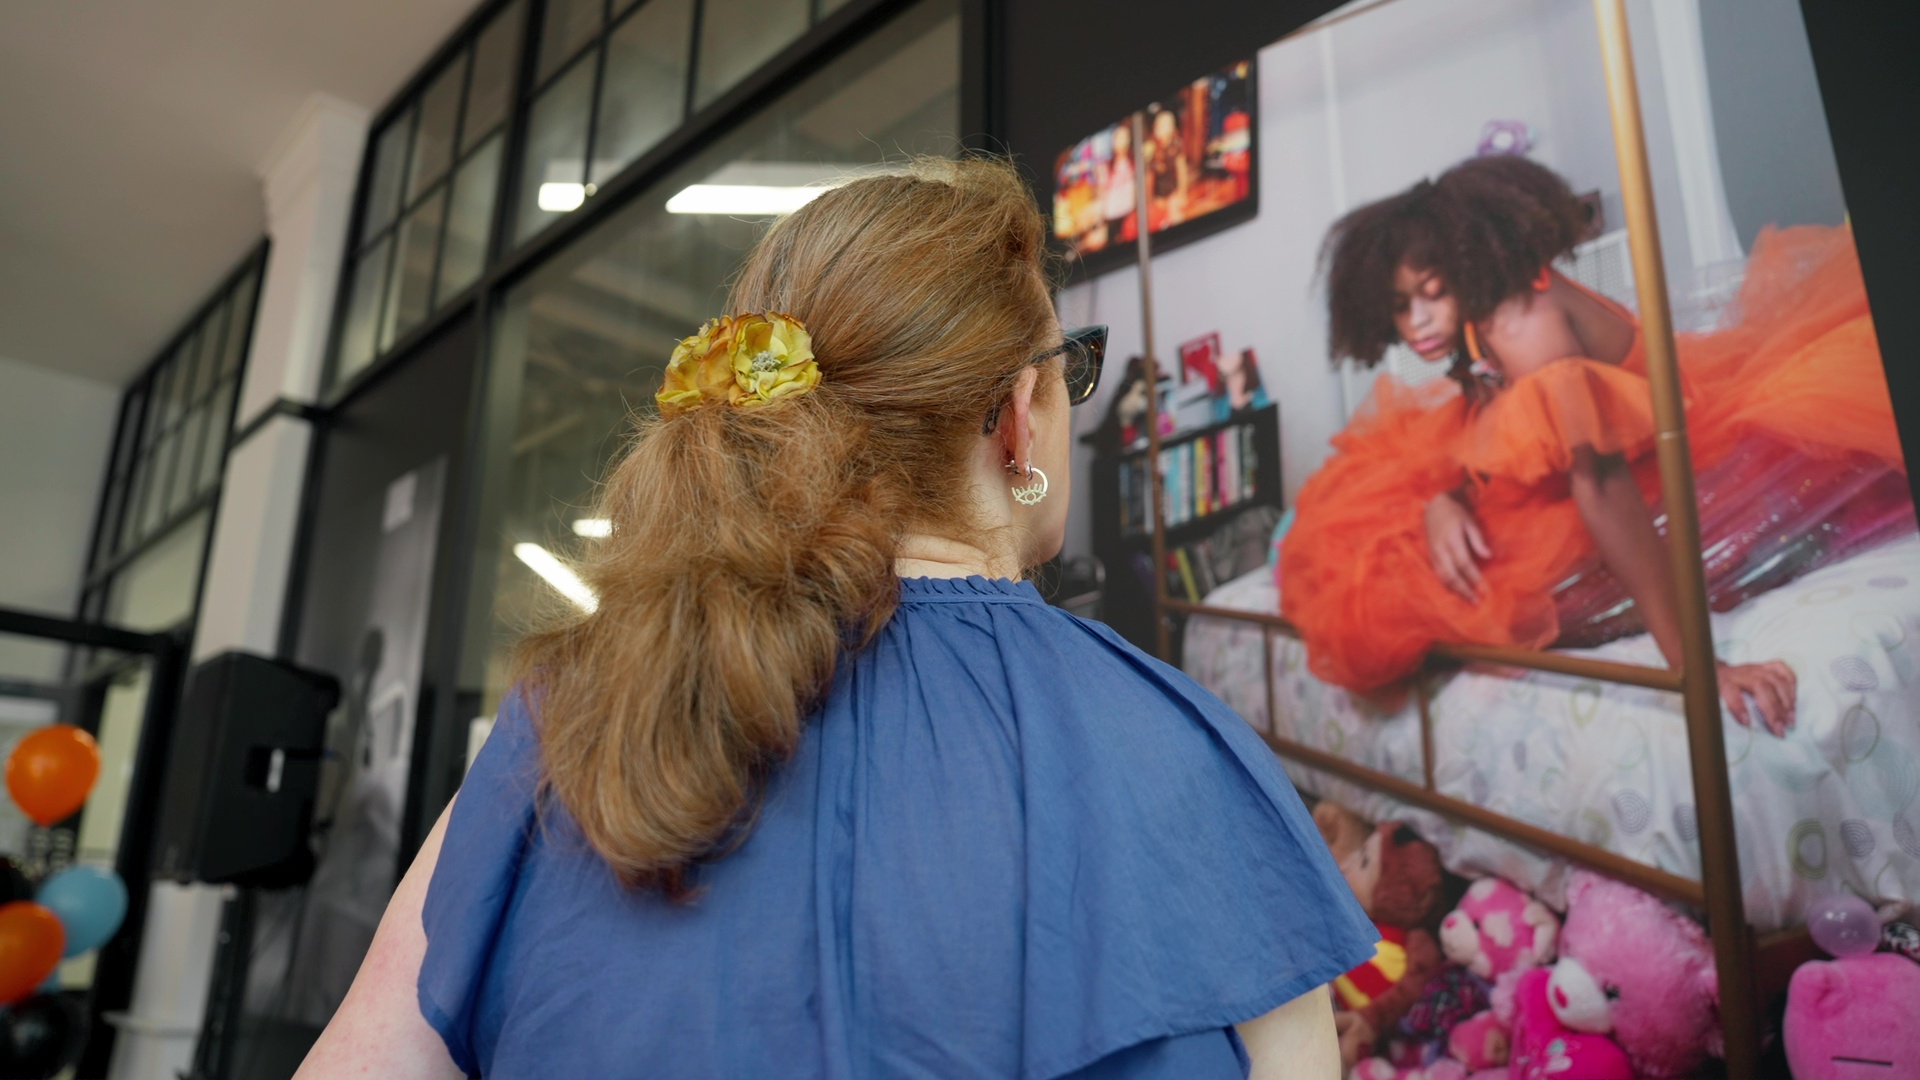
column 1195, row 569
column 1204, row 475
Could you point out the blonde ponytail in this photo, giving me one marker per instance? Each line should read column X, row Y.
column 751, row 547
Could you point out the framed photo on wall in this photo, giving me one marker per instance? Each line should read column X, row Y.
column 1200, row 172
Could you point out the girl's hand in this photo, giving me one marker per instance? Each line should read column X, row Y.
column 1456, row 547
column 1773, row 687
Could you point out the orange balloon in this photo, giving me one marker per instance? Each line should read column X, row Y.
column 51, row 771
column 31, row 941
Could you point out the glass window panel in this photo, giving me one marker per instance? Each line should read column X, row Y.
column 363, row 311
column 180, row 381
column 102, row 817
column 156, row 591
column 219, row 429
column 410, row 288
column 212, row 341
column 737, row 36
column 157, row 392
column 433, row 139
column 239, row 323
column 153, row 508
column 495, row 58
column 129, row 530
column 192, row 435
column 553, row 180
column 129, row 440
column 470, row 220
column 585, row 337
column 389, row 172
column 569, row 25
column 643, row 93
column 109, row 521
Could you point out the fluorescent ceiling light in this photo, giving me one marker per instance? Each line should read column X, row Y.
column 745, row 200
column 765, row 188
column 593, row 528
column 564, row 581
column 560, row 198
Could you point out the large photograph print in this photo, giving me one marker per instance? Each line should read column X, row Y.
column 1199, row 171
column 1440, row 294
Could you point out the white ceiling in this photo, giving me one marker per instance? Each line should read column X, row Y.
column 130, row 136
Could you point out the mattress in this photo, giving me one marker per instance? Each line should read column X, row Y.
column 1835, row 805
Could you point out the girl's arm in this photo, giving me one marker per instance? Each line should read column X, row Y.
column 1296, row 1039
column 1622, row 529
column 378, row 1030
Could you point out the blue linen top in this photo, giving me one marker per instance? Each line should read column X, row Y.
column 1009, row 844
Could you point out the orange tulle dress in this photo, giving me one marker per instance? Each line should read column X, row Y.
column 1797, row 461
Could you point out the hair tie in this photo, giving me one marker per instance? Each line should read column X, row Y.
column 739, row 360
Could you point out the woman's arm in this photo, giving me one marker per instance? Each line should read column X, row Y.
column 1294, row 1040
column 1622, row 529
column 378, row 1029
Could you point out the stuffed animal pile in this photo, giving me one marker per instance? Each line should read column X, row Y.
column 1625, row 987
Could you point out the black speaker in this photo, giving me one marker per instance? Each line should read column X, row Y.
column 244, row 769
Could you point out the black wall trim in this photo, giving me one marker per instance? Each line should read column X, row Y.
column 100, row 635
column 1074, row 66
column 296, row 410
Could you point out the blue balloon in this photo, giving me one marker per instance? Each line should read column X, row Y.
column 91, row 901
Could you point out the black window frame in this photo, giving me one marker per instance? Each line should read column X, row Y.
column 142, row 430
column 364, row 237
column 507, row 258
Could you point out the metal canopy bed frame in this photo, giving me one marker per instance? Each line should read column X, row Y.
column 1738, row 953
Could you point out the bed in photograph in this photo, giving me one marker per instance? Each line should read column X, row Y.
column 1834, row 805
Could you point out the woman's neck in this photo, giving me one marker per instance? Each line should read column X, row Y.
column 926, row 555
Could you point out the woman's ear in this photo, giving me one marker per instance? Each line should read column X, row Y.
column 1016, row 436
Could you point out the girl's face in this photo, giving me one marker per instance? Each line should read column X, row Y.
column 1123, row 142
column 1424, row 312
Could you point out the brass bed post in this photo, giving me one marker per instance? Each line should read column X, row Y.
column 1145, row 247
column 1426, row 728
column 1719, row 855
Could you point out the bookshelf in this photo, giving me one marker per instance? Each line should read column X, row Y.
column 1221, row 493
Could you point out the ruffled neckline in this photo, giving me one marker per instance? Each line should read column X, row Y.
column 973, row 588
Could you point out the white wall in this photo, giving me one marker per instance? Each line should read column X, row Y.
column 1353, row 113
column 55, row 430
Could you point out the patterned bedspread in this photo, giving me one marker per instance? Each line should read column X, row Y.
column 1835, row 805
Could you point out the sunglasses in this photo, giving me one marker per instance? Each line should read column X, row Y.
column 1086, row 350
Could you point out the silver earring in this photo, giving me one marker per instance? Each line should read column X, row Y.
column 1032, row 492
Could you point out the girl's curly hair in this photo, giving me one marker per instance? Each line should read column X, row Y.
column 1487, row 226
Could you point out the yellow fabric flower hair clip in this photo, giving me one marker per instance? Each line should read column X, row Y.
column 741, row 360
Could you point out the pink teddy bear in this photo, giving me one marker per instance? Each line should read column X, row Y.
column 1545, row 1048
column 1498, row 932
column 1635, row 970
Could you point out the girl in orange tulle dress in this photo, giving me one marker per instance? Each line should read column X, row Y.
column 1518, row 502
